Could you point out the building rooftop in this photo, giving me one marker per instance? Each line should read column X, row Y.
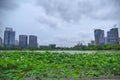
column 8, row 29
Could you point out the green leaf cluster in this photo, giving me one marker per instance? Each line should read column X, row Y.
column 47, row 65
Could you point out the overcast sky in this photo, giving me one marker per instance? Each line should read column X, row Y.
column 63, row 22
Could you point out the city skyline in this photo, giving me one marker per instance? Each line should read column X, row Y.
column 63, row 22
column 31, row 41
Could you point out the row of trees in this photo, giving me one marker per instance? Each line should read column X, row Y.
column 82, row 47
column 94, row 47
column 104, row 47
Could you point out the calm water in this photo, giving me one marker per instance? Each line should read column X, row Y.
column 92, row 51
column 68, row 51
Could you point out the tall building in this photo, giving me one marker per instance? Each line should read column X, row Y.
column 99, row 37
column 113, row 36
column 33, row 41
column 23, row 41
column 0, row 41
column 9, row 37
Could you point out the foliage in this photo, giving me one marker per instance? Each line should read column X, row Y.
column 77, row 47
column 36, row 65
column 104, row 47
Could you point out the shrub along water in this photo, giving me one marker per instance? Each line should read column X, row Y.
column 36, row 65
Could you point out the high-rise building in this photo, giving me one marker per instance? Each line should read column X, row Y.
column 23, row 41
column 0, row 41
column 33, row 41
column 113, row 36
column 9, row 37
column 99, row 37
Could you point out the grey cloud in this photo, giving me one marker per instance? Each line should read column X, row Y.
column 117, row 8
column 75, row 9
column 7, row 4
column 67, row 9
column 5, row 7
column 109, row 10
column 116, row 2
column 48, row 23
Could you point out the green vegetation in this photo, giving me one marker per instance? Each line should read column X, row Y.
column 104, row 47
column 36, row 65
column 77, row 47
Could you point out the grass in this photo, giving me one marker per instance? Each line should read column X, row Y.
column 36, row 65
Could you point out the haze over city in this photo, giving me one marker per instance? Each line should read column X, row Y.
column 63, row 22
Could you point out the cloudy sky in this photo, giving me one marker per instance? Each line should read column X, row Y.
column 63, row 22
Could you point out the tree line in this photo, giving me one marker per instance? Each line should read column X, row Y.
column 83, row 47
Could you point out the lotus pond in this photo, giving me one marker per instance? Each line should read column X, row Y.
column 48, row 65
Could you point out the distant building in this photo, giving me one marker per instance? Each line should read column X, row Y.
column 9, row 37
column 113, row 36
column 119, row 40
column 44, row 47
column 92, row 42
column 89, row 44
column 52, row 46
column 23, row 41
column 106, row 41
column 99, row 37
column 33, row 41
column 16, row 43
column 0, row 41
